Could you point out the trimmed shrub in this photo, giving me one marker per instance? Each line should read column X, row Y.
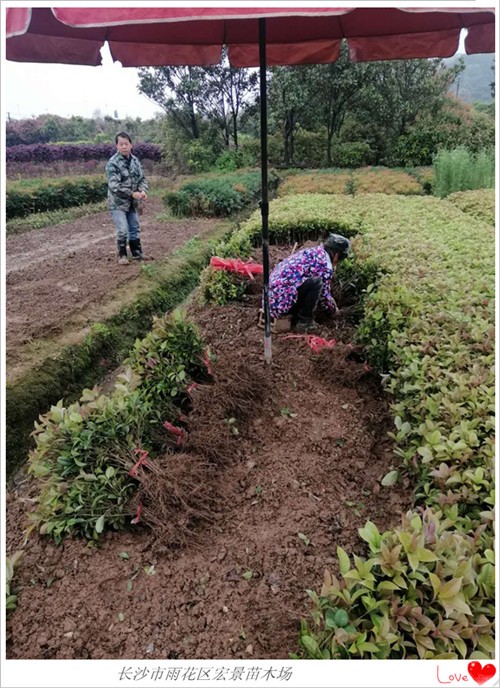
column 384, row 180
column 364, row 180
column 316, row 182
column 220, row 196
column 54, row 195
column 299, row 218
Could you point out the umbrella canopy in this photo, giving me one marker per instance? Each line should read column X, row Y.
column 157, row 36
column 140, row 37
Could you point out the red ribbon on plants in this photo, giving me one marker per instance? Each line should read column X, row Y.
column 313, row 342
column 236, row 265
column 190, row 388
column 206, row 361
column 178, row 432
column 143, row 456
column 138, row 515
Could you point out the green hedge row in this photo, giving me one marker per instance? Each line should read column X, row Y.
column 426, row 590
column 219, row 196
column 54, row 195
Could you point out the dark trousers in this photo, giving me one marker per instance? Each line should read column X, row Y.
column 308, row 295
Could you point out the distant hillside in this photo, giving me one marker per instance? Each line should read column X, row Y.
column 473, row 85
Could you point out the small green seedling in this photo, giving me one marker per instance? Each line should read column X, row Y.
column 231, row 422
column 304, row 539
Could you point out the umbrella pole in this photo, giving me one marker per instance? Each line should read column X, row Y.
column 264, row 204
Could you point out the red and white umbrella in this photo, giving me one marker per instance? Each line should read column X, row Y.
column 156, row 36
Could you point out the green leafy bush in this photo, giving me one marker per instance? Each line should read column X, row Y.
column 232, row 160
column 220, row 196
column 309, row 148
column 353, row 154
column 84, row 452
column 10, row 564
column 458, row 124
column 57, row 194
column 167, row 359
column 220, row 287
column 425, row 592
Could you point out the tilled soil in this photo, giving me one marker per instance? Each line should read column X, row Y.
column 57, row 272
column 301, row 473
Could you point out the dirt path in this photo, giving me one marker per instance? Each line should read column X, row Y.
column 57, row 272
column 308, row 461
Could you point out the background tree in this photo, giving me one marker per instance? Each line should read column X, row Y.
column 289, row 101
column 398, row 92
column 179, row 91
column 336, row 88
column 229, row 92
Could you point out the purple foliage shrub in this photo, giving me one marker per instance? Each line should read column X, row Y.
column 45, row 152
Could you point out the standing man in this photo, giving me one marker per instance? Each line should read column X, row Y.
column 127, row 187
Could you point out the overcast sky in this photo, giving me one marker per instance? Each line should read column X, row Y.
column 35, row 89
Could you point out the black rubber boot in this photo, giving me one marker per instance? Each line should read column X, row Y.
column 122, row 253
column 136, row 249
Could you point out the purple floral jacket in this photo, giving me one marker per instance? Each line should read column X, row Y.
column 288, row 275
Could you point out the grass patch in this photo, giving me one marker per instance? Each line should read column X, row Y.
column 461, row 170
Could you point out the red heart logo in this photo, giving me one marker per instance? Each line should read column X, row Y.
column 481, row 674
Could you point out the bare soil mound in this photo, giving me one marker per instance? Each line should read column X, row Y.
column 287, row 462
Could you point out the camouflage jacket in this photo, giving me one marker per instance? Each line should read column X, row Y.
column 124, row 177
